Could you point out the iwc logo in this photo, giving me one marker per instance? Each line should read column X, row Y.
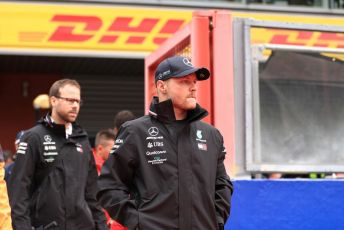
column 153, row 131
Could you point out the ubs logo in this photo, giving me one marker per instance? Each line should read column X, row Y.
column 153, row 131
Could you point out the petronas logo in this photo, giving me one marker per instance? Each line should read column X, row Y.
column 199, row 134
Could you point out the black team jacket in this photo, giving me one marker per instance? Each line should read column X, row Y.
column 54, row 181
column 159, row 177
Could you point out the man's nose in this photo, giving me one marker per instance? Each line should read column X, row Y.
column 193, row 86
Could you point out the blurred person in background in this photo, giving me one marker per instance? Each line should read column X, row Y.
column 5, row 210
column 53, row 182
column 9, row 157
column 9, row 167
column 121, row 117
column 104, row 141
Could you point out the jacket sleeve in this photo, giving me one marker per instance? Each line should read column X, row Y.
column 20, row 184
column 116, row 181
column 90, row 196
column 223, row 188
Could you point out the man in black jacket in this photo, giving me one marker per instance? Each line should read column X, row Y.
column 54, row 180
column 166, row 169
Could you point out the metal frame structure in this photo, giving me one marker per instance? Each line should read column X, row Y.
column 215, row 39
column 251, row 92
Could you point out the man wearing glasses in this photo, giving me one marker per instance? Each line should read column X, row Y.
column 53, row 183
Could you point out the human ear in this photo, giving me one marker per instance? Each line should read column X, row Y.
column 161, row 86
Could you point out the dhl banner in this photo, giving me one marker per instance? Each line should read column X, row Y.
column 296, row 37
column 130, row 29
column 87, row 27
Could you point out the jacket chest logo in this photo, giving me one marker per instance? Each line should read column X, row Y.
column 155, row 153
column 79, row 148
column 49, row 149
column 153, row 131
column 47, row 138
column 199, row 134
column 155, row 144
column 201, row 143
column 202, row 146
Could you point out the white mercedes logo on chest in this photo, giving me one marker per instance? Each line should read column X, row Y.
column 47, row 138
column 153, row 131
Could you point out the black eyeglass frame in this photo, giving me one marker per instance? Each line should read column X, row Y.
column 71, row 100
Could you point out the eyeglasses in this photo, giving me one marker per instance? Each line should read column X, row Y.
column 71, row 101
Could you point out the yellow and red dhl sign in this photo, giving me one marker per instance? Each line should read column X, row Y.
column 87, row 27
column 90, row 27
column 295, row 37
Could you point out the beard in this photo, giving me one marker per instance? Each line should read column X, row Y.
column 67, row 116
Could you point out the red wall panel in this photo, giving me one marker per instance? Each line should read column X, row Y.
column 17, row 92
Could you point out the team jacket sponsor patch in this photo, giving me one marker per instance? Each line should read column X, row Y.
column 202, row 146
column 118, row 143
column 22, row 148
column 79, row 148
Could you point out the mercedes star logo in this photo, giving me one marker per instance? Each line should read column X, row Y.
column 153, row 131
column 47, row 138
column 187, row 62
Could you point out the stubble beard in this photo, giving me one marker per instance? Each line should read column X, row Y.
column 66, row 118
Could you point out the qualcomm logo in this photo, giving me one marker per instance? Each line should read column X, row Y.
column 153, row 131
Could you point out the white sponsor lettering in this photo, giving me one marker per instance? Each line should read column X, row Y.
column 50, row 147
column 22, row 147
column 158, row 144
column 48, row 143
column 154, row 138
column 50, row 153
column 49, row 160
column 157, row 161
column 155, row 152
column 22, row 144
column 21, row 152
column 201, row 140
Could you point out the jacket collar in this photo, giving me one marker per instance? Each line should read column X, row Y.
column 163, row 111
column 61, row 129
